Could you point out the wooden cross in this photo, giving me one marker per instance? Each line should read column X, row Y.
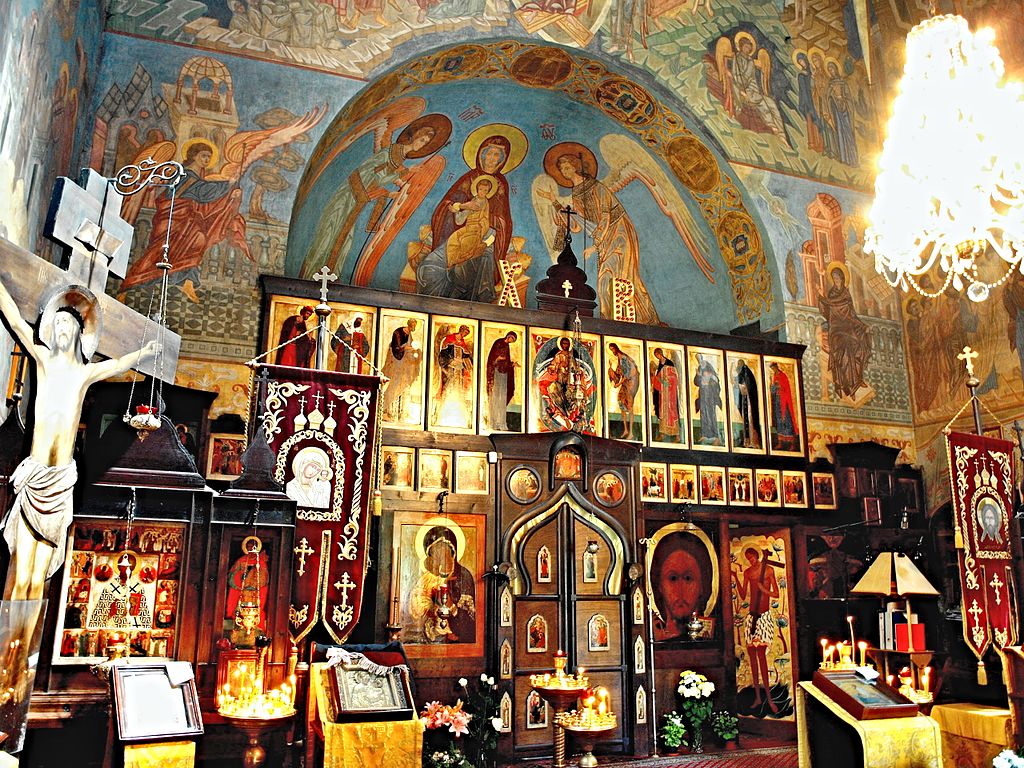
column 324, row 276
column 968, row 356
column 303, row 551
column 87, row 223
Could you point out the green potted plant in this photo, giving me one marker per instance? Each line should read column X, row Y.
column 673, row 732
column 725, row 725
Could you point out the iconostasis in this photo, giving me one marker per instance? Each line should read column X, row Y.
column 621, row 486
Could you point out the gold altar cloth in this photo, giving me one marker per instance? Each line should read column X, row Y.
column 972, row 734
column 384, row 744
column 171, row 754
column 896, row 742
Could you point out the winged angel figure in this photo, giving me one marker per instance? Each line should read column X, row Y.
column 384, row 181
column 745, row 84
column 613, row 235
column 206, row 205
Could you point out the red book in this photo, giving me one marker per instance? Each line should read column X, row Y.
column 901, row 637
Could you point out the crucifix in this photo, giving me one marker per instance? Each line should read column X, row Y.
column 323, row 311
column 73, row 319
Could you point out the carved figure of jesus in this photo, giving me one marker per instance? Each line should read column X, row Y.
column 35, row 528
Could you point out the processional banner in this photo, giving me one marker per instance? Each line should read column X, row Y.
column 982, row 477
column 321, row 427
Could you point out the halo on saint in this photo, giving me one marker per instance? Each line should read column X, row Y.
column 214, row 154
column 442, row 127
column 485, row 177
column 838, row 266
column 252, row 544
column 444, row 522
column 516, row 139
column 579, row 152
column 85, row 307
column 741, row 35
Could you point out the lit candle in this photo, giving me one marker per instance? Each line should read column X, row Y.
column 853, row 640
column 824, row 650
column 888, row 680
column 831, row 650
column 863, row 653
column 926, row 679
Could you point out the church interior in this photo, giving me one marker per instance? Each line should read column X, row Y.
column 442, row 384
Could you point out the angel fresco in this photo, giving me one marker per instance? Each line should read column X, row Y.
column 613, row 235
column 206, row 205
column 382, row 180
column 471, row 228
column 742, row 80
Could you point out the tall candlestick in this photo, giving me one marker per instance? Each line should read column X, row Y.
column 853, row 640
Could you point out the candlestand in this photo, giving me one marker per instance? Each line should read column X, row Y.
column 588, row 735
column 561, row 699
column 254, row 727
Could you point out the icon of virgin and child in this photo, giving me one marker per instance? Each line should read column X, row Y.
column 442, row 604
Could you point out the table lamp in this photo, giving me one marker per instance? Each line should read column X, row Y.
column 894, row 574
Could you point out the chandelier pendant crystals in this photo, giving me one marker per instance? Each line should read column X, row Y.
column 949, row 196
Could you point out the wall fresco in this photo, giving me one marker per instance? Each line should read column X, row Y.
column 640, row 178
column 242, row 136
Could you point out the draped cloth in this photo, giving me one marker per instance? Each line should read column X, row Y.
column 982, row 478
column 387, row 744
column 43, row 497
column 321, row 426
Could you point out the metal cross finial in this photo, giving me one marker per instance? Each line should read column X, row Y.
column 566, row 288
column 568, row 211
column 968, row 356
column 324, row 276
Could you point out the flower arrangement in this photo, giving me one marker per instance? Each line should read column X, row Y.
column 477, row 720
column 696, row 691
column 673, row 731
column 1008, row 759
column 482, row 737
column 725, row 725
column 436, row 715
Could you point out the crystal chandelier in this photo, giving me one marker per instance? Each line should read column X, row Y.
column 949, row 196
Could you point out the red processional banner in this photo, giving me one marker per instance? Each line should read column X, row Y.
column 321, row 426
column 982, row 477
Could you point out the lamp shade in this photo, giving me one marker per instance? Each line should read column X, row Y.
column 893, row 573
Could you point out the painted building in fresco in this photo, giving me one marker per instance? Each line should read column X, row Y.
column 721, row 154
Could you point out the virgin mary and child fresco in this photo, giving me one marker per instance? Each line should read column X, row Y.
column 471, row 227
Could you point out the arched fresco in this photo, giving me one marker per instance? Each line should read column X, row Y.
column 449, row 173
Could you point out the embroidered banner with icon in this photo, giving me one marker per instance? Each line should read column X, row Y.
column 982, row 478
column 321, row 427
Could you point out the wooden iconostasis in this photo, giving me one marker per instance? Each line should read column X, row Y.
column 684, row 475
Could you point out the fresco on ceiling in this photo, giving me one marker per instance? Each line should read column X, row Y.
column 242, row 130
column 48, row 58
column 836, row 304
column 788, row 92
column 429, row 182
